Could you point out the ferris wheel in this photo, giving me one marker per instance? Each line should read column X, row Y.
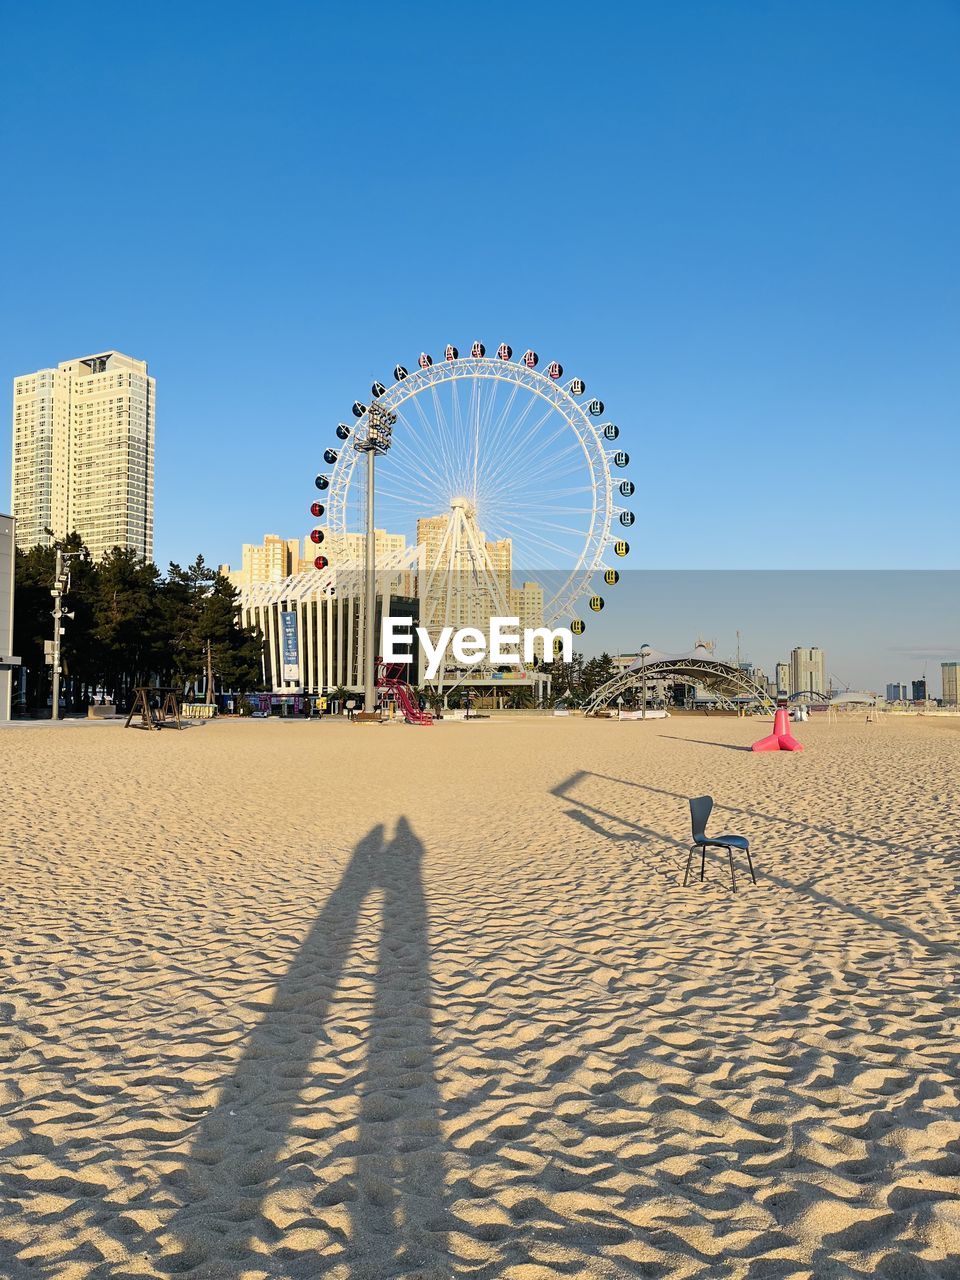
column 512, row 449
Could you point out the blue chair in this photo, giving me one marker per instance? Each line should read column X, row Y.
column 700, row 809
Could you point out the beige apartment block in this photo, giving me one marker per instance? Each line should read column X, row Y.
column 351, row 548
column 808, row 671
column 461, row 580
column 950, row 677
column 526, row 603
column 83, row 454
column 272, row 560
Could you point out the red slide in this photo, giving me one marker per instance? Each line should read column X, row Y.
column 390, row 677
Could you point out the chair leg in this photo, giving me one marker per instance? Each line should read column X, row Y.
column 703, row 861
column 689, row 860
column 733, row 877
column 750, row 862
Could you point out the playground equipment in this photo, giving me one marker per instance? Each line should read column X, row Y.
column 781, row 739
column 165, row 715
column 392, row 677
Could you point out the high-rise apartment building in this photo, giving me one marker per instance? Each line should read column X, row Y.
column 896, row 692
column 83, row 454
column 918, row 690
column 8, row 664
column 808, row 671
column 783, row 677
column 949, row 673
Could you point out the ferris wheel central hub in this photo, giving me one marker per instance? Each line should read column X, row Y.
column 464, row 505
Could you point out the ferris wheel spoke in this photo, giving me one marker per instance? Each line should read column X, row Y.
column 545, row 542
column 533, row 450
column 403, row 458
column 433, row 443
column 425, row 434
column 529, row 473
column 411, row 475
column 498, row 417
column 519, row 447
column 533, row 515
column 553, row 526
column 441, row 419
column 548, row 488
column 518, row 429
column 475, row 425
column 518, row 504
column 405, row 498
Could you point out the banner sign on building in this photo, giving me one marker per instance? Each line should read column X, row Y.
column 289, row 647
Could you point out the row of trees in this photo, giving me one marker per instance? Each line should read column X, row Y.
column 131, row 626
column 577, row 680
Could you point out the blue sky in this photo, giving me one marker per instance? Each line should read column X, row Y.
column 738, row 222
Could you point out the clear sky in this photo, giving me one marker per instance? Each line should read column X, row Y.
column 738, row 222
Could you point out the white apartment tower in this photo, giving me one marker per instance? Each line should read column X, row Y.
column 83, row 446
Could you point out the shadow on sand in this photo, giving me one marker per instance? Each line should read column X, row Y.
column 386, row 1216
column 564, row 791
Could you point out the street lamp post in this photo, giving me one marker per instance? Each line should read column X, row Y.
column 375, row 439
column 61, row 584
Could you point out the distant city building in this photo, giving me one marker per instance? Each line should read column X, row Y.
column 949, row 672
column 83, row 454
column 433, row 537
column 756, row 674
column 526, row 603
column 782, row 682
column 272, row 560
column 466, row 580
column 7, row 668
column 919, row 690
column 808, row 671
column 896, row 693
column 329, row 603
column 346, row 548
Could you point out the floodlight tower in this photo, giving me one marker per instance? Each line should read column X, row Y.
column 372, row 438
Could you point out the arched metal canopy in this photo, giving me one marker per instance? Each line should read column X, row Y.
column 725, row 681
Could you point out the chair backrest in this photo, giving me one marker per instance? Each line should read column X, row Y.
column 700, row 808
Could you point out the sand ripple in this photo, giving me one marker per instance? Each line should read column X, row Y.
column 257, row 1022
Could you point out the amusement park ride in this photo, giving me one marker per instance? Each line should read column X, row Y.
column 490, row 449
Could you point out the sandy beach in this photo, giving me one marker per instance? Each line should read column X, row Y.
column 292, row 1000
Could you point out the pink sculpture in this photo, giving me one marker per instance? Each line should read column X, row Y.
column 781, row 739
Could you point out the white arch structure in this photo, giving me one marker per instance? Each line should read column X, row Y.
column 725, row 680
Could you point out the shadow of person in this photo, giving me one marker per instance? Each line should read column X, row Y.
column 390, row 1212
column 400, row 1206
